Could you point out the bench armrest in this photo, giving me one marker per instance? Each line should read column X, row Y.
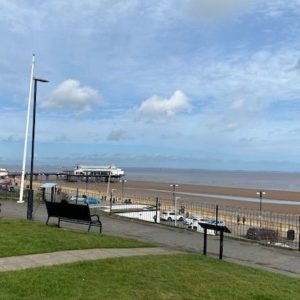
column 97, row 216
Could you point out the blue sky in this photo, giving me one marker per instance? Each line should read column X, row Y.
column 211, row 84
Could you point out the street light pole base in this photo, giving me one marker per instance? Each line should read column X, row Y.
column 30, row 204
column 20, row 201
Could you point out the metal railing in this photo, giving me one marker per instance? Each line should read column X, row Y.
column 284, row 229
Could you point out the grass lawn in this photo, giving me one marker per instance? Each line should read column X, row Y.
column 182, row 276
column 28, row 237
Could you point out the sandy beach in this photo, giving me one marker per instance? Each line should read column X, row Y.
column 185, row 191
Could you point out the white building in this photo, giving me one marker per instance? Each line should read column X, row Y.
column 91, row 170
column 3, row 173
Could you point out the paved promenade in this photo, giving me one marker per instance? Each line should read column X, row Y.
column 273, row 259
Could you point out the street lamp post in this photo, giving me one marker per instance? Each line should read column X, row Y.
column 30, row 191
column 123, row 182
column 260, row 193
column 111, row 200
column 174, row 198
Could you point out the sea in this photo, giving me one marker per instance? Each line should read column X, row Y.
column 284, row 181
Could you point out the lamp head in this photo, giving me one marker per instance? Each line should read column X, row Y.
column 40, row 79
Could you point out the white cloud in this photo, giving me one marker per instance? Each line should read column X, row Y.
column 72, row 96
column 157, row 107
column 232, row 126
column 238, row 105
column 216, row 9
column 117, row 135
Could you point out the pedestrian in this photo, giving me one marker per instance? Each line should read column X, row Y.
column 244, row 220
column 238, row 219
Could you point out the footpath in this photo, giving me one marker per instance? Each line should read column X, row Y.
column 15, row 263
column 171, row 239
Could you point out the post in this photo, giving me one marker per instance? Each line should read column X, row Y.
column 217, row 217
column 205, row 241
column 52, row 194
column 123, row 182
column 174, row 199
column 26, row 132
column 31, row 192
column 110, row 202
column 109, row 175
column 86, row 183
column 156, row 210
column 260, row 202
column 77, row 191
column 299, row 235
column 221, row 244
column 260, row 193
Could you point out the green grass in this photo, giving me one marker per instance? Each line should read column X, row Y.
column 8, row 197
column 182, row 276
column 28, row 237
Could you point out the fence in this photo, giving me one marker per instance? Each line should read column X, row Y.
column 283, row 229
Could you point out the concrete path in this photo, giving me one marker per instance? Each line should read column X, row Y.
column 15, row 263
column 247, row 253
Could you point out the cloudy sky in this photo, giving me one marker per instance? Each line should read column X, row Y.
column 209, row 84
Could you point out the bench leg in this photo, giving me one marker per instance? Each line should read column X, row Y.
column 58, row 225
column 47, row 220
column 100, row 227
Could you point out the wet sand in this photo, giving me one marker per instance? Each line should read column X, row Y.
column 164, row 192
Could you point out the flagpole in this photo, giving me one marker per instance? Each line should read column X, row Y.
column 26, row 132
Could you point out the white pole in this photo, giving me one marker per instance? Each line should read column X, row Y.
column 26, row 132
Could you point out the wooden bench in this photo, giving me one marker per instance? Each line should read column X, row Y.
column 76, row 213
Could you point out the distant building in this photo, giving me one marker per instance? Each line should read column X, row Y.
column 92, row 170
column 3, row 173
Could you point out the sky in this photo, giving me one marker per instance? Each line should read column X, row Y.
column 211, row 84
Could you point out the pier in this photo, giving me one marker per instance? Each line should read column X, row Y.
column 69, row 176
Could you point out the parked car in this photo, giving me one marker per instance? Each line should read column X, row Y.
column 218, row 223
column 79, row 199
column 195, row 225
column 170, row 216
column 190, row 220
column 92, row 201
column 259, row 233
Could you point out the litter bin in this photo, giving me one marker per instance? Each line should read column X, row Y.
column 290, row 235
